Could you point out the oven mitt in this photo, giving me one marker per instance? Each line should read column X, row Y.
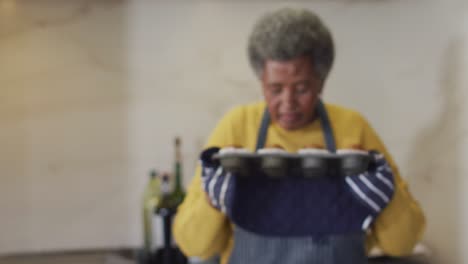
column 217, row 182
column 374, row 188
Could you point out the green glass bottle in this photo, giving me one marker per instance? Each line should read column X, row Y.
column 164, row 254
column 165, row 193
column 150, row 201
column 178, row 194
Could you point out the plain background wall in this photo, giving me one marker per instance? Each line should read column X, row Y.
column 93, row 93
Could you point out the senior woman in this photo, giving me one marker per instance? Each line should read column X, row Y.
column 333, row 220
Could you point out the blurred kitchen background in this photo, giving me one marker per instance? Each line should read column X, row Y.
column 92, row 94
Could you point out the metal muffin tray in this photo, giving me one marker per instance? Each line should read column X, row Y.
column 308, row 164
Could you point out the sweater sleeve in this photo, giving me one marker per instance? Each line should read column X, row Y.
column 402, row 223
column 199, row 229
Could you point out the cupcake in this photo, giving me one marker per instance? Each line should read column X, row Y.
column 313, row 149
column 234, row 150
column 274, row 149
column 274, row 161
column 353, row 161
column 236, row 160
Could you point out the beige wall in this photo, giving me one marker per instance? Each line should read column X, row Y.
column 63, row 117
column 92, row 94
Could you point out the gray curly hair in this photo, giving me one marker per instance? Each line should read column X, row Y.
column 287, row 34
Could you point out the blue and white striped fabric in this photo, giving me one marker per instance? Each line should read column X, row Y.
column 375, row 187
column 216, row 182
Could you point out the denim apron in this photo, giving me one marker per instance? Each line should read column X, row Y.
column 296, row 220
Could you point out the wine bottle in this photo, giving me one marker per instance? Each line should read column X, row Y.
column 164, row 255
column 178, row 194
column 150, row 201
column 165, row 194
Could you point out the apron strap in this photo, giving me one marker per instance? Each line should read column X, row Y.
column 324, row 121
column 326, row 126
column 262, row 132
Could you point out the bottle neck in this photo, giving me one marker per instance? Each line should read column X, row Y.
column 178, row 166
column 178, row 176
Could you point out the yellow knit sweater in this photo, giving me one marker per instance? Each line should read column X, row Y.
column 202, row 231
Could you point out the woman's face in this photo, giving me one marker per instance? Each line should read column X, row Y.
column 291, row 89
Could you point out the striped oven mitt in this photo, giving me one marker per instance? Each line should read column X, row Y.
column 217, row 182
column 374, row 188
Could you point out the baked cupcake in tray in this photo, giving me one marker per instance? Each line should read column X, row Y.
column 314, row 162
column 274, row 161
column 353, row 161
column 236, row 160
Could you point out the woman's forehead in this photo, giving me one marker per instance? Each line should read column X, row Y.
column 296, row 67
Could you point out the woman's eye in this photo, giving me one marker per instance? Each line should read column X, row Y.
column 302, row 88
column 275, row 89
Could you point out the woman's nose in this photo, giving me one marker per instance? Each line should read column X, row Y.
column 288, row 99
